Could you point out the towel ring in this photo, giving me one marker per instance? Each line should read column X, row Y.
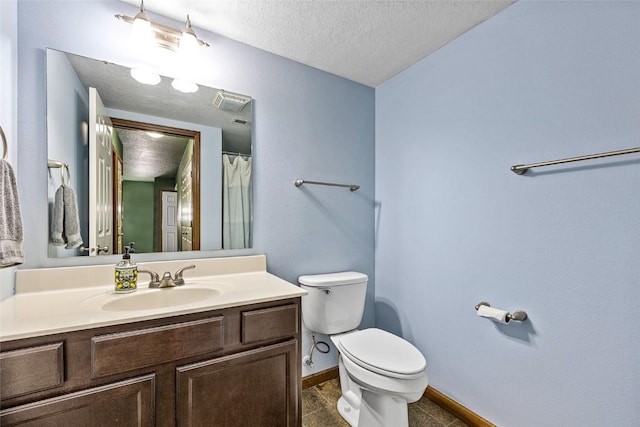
column 5, row 148
column 63, row 169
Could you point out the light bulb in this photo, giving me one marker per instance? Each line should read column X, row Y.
column 141, row 31
column 188, row 43
column 188, row 40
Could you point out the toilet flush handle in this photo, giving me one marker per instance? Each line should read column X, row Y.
column 326, row 290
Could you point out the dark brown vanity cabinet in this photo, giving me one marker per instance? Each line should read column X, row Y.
column 250, row 389
column 237, row 366
column 124, row 403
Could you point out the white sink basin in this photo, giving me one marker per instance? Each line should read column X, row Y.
column 149, row 299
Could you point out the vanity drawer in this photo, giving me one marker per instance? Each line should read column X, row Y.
column 269, row 323
column 127, row 351
column 31, row 369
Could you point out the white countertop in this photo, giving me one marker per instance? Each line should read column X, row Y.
column 44, row 309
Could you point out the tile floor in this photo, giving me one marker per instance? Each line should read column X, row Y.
column 319, row 409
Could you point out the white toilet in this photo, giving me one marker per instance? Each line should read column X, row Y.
column 379, row 372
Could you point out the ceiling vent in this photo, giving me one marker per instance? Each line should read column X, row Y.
column 230, row 101
column 241, row 121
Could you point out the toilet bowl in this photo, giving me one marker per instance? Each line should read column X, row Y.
column 380, row 373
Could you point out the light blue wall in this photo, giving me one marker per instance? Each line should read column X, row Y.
column 307, row 124
column 540, row 81
column 9, row 105
column 67, row 127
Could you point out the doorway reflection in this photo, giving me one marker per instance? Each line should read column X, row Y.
column 157, row 192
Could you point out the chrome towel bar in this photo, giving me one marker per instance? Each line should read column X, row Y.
column 521, row 169
column 299, row 182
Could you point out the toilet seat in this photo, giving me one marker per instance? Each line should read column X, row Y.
column 383, row 353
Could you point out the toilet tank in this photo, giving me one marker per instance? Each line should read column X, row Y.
column 335, row 301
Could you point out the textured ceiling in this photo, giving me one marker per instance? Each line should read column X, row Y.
column 119, row 91
column 146, row 158
column 362, row 40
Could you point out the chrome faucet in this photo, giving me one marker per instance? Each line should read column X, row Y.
column 167, row 281
column 179, row 281
column 155, row 279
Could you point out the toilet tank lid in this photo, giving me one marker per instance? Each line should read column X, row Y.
column 333, row 279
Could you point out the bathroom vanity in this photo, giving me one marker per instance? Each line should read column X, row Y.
column 232, row 359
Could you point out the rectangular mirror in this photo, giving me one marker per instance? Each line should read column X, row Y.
column 150, row 166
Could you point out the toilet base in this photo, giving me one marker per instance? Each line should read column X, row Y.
column 371, row 409
column 348, row 411
column 364, row 408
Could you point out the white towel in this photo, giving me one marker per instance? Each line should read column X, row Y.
column 65, row 224
column 10, row 219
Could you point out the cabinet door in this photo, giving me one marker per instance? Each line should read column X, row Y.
column 126, row 403
column 253, row 388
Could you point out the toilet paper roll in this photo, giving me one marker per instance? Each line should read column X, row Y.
column 493, row 313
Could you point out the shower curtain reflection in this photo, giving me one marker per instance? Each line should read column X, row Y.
column 237, row 202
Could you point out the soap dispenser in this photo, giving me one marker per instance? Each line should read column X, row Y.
column 126, row 273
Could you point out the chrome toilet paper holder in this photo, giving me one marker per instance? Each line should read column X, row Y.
column 518, row 315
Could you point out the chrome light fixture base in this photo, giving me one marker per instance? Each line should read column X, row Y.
column 165, row 37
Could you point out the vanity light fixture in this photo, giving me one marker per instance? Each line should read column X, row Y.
column 163, row 36
column 146, row 33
